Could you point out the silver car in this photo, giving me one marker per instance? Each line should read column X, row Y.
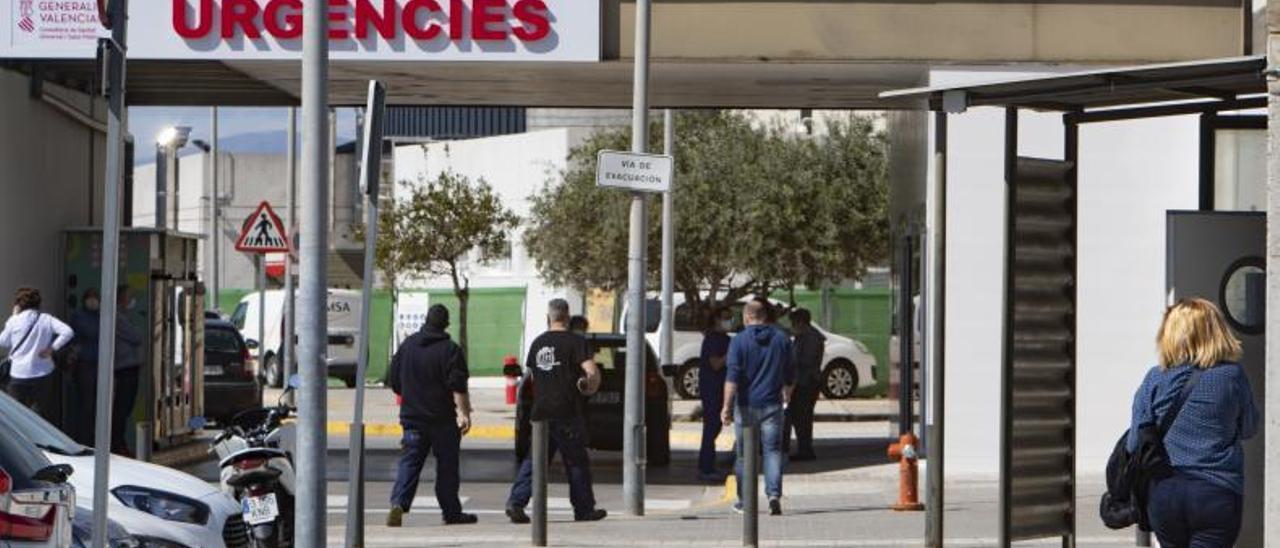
column 37, row 505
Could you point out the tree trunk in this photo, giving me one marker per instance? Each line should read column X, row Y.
column 461, row 290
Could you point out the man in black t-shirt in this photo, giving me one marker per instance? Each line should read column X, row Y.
column 563, row 371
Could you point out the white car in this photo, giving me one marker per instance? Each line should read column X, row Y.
column 344, row 333
column 159, row 506
column 37, row 504
column 847, row 363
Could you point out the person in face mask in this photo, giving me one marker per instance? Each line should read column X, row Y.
column 84, row 373
column 711, row 375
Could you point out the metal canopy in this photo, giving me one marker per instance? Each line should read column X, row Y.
column 1215, row 79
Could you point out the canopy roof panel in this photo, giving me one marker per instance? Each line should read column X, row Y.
column 1221, row 79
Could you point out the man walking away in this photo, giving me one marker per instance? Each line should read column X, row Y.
column 31, row 337
column 761, row 376
column 429, row 371
column 809, row 346
column 711, row 375
column 128, row 366
column 563, row 372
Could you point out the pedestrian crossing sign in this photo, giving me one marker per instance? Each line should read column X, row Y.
column 263, row 232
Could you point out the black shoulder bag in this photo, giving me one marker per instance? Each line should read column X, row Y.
column 1129, row 474
column 6, row 366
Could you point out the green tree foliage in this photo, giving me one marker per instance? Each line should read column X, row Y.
column 437, row 227
column 758, row 209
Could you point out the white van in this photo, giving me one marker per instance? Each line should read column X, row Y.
column 344, row 333
column 847, row 363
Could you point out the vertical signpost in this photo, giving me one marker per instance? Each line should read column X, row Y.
column 287, row 351
column 633, row 393
column 112, row 52
column 640, row 174
column 370, row 173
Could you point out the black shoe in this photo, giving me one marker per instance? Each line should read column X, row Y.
column 461, row 519
column 775, row 507
column 594, row 515
column 517, row 515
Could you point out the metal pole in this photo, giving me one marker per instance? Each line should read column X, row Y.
column 162, row 196
column 539, row 483
column 261, row 283
column 177, row 180
column 215, row 241
column 668, row 247
column 313, row 277
column 936, row 308
column 633, row 420
column 905, row 332
column 370, row 171
column 750, row 496
column 288, row 354
column 1271, row 388
column 114, row 55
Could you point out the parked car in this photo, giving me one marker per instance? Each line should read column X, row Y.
column 37, row 503
column 344, row 332
column 604, row 409
column 230, row 385
column 848, row 363
column 82, row 532
column 150, row 501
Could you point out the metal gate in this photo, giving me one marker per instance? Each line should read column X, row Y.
column 1037, row 479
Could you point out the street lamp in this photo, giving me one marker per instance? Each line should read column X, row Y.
column 168, row 142
column 215, row 243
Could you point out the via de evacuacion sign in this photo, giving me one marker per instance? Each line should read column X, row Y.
column 271, row 30
column 634, row 171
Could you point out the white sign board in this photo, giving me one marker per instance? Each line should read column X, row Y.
column 639, row 172
column 411, row 313
column 364, row 30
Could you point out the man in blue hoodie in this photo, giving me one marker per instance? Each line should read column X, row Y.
column 760, row 377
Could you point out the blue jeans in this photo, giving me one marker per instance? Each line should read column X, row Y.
column 1189, row 512
column 770, row 419
column 442, row 438
column 569, row 437
column 711, row 390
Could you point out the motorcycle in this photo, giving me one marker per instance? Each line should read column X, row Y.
column 256, row 468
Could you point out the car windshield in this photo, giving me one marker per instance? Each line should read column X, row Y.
column 36, row 429
column 221, row 341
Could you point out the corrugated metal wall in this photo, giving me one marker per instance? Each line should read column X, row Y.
column 444, row 123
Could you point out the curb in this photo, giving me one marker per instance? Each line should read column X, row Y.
column 393, row 430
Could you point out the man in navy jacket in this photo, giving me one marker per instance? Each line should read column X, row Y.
column 429, row 372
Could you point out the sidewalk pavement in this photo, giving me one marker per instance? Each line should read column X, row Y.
column 848, row 507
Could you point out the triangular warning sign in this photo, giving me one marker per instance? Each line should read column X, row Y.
column 263, row 232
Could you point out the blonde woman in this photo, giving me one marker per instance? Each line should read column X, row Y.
column 1200, row 505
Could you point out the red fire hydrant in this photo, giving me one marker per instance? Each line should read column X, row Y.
column 908, row 473
column 511, row 370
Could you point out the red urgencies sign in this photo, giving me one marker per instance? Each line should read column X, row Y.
column 420, row 20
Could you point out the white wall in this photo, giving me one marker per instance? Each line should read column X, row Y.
column 1130, row 174
column 52, row 180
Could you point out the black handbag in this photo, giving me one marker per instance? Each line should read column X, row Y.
column 6, row 365
column 1129, row 475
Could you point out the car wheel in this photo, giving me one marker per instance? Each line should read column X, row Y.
column 839, row 380
column 687, row 381
column 271, row 372
column 349, row 381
